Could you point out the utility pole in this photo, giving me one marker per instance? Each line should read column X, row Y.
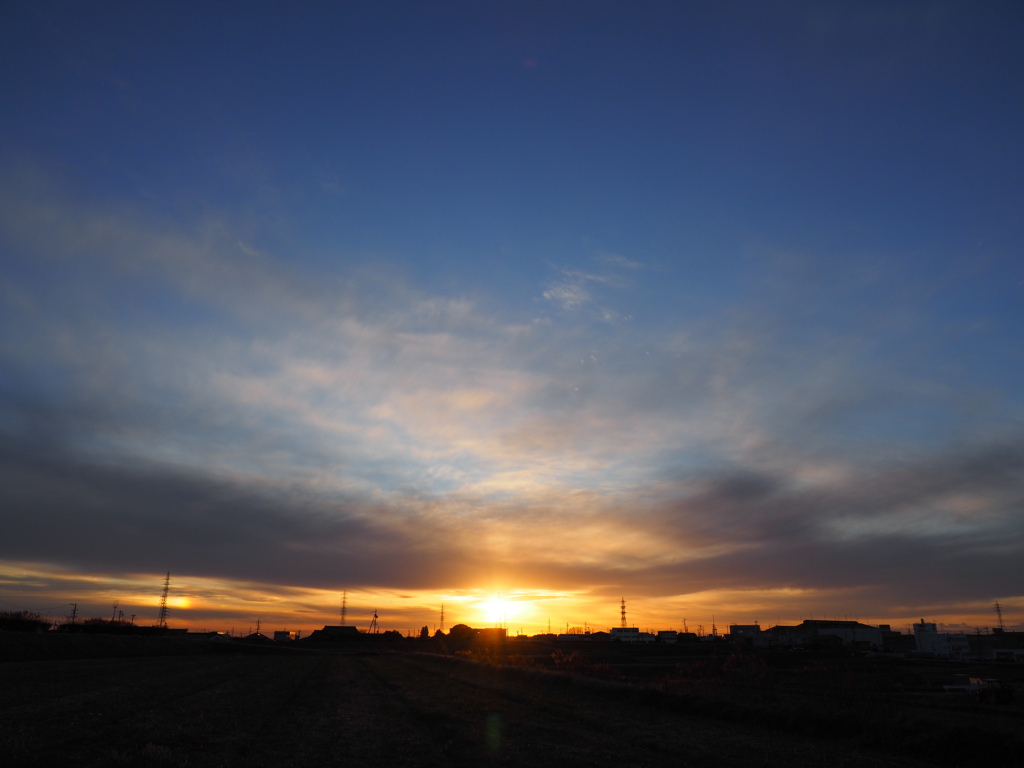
column 258, row 620
column 74, row 611
column 114, row 615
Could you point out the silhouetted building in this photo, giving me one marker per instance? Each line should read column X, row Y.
column 746, row 633
column 823, row 632
column 492, row 634
column 335, row 633
column 896, row 642
column 998, row 646
column 257, row 638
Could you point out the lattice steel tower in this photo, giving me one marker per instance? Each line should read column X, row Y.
column 622, row 613
column 162, row 620
column 344, row 606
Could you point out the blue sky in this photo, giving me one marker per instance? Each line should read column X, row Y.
column 710, row 304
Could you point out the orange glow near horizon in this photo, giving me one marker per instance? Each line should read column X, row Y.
column 200, row 603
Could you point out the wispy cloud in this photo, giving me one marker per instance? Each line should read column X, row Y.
column 567, row 295
column 572, row 290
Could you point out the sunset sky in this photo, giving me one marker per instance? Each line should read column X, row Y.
column 520, row 308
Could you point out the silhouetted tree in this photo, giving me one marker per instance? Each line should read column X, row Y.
column 425, row 632
column 23, row 621
column 462, row 633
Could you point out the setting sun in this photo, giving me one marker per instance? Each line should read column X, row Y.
column 497, row 611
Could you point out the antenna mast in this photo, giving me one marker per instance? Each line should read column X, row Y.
column 999, row 617
column 622, row 612
column 162, row 620
column 344, row 606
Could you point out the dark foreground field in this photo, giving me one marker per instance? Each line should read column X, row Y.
column 358, row 707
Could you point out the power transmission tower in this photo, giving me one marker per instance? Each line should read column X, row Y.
column 258, row 621
column 344, row 607
column 622, row 613
column 162, row 620
column 999, row 617
column 442, row 617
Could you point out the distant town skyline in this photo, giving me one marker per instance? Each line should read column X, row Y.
column 717, row 307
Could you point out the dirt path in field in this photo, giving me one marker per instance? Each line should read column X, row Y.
column 345, row 709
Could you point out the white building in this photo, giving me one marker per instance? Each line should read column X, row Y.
column 951, row 645
column 626, row 634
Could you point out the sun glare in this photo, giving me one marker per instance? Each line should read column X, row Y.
column 496, row 611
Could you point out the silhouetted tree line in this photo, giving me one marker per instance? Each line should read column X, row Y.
column 23, row 621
